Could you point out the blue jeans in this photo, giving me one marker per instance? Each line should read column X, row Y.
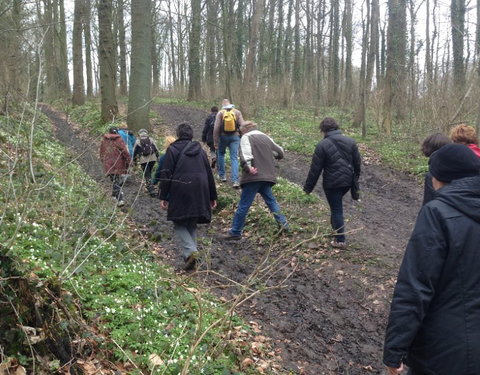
column 186, row 232
column 249, row 190
column 233, row 143
column 335, row 201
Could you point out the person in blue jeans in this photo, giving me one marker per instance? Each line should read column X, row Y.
column 257, row 154
column 223, row 139
column 337, row 156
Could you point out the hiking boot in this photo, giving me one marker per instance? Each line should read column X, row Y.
column 236, row 185
column 190, row 262
column 338, row 245
column 222, row 178
column 121, row 203
column 214, row 163
column 231, row 237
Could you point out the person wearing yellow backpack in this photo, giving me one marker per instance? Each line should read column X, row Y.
column 226, row 135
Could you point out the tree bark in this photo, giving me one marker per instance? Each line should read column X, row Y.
column 88, row 47
column 141, row 66
column 457, row 13
column 106, row 55
column 78, row 97
column 395, row 89
column 194, row 68
column 122, row 58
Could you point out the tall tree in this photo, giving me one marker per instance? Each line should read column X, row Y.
column 347, row 34
column 334, row 60
column 250, row 73
column 140, row 72
column 457, row 15
column 297, row 61
column 122, row 57
column 194, row 68
column 78, row 97
column 210, row 56
column 64, row 82
column 395, row 89
column 106, row 56
column 88, row 47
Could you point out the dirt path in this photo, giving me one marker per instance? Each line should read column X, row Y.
column 329, row 317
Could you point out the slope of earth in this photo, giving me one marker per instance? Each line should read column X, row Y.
column 325, row 316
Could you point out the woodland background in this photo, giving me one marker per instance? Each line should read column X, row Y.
column 399, row 64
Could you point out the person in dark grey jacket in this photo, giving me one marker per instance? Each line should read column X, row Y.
column 187, row 190
column 337, row 156
column 257, row 154
column 434, row 323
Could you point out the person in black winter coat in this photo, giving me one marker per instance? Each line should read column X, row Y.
column 187, row 190
column 434, row 323
column 337, row 156
column 207, row 134
column 431, row 144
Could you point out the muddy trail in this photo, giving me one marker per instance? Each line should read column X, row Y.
column 325, row 317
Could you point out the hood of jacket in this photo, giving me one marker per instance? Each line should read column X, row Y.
column 111, row 137
column 194, row 147
column 463, row 195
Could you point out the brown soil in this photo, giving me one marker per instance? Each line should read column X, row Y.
column 329, row 316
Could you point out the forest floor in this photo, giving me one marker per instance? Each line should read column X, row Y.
column 329, row 316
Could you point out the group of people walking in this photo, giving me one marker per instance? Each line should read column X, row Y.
column 187, row 187
column 434, row 322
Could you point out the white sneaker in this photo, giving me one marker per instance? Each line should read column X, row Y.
column 121, row 203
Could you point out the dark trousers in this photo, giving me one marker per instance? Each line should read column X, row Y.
column 147, row 171
column 335, row 201
column 116, row 186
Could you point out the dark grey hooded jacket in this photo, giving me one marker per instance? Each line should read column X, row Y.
column 434, row 323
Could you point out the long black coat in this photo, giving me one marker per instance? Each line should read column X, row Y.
column 328, row 157
column 434, row 322
column 187, row 183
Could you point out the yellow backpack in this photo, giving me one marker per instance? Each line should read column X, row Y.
column 229, row 121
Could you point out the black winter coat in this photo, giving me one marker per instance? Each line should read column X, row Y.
column 187, row 183
column 207, row 133
column 328, row 157
column 434, row 322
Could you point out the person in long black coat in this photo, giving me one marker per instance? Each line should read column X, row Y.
column 337, row 156
column 187, row 190
column 434, row 323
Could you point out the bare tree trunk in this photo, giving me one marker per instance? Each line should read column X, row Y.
column 457, row 13
column 347, row 32
column 297, row 62
column 249, row 84
column 106, row 55
column 122, row 48
column 395, row 90
column 141, row 67
column 194, row 69
column 78, row 97
column 334, row 62
column 173, row 64
column 210, row 58
column 63, row 55
column 88, row 47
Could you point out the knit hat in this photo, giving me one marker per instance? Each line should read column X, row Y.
column 454, row 161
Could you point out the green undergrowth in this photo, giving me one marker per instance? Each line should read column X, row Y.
column 58, row 225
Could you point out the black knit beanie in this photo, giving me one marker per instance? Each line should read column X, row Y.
column 454, row 161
